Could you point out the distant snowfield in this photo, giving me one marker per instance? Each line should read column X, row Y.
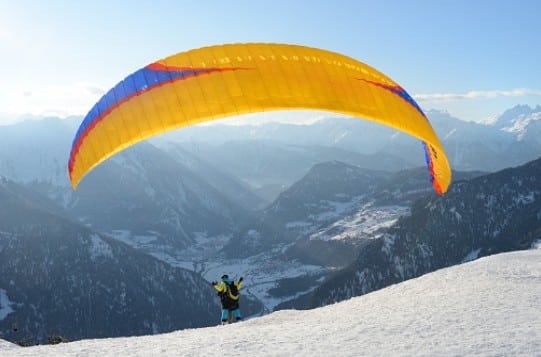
column 5, row 305
column 488, row 307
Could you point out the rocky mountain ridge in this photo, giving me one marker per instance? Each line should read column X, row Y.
column 486, row 215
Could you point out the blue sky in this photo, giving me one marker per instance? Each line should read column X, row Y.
column 474, row 58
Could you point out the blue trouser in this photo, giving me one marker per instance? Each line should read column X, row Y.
column 225, row 314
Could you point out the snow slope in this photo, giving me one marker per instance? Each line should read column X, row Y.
column 488, row 307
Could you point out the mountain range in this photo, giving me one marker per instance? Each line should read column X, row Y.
column 486, row 215
column 489, row 307
column 253, row 152
column 302, row 210
column 61, row 277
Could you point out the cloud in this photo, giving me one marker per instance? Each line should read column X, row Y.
column 74, row 99
column 472, row 95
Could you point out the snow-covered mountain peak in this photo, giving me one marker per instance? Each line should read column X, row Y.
column 508, row 117
column 520, row 124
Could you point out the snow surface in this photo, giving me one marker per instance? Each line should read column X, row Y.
column 99, row 248
column 488, row 307
column 366, row 222
column 261, row 272
column 5, row 304
column 521, row 123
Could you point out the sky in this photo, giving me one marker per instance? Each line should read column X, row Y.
column 472, row 58
column 488, row 307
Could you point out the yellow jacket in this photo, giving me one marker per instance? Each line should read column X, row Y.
column 222, row 287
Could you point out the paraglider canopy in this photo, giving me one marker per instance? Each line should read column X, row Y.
column 226, row 80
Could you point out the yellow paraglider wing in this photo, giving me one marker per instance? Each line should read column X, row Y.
column 214, row 82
